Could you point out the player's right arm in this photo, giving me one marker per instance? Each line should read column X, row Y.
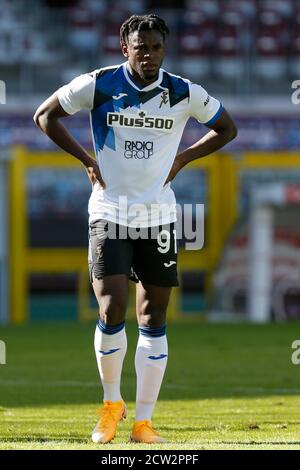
column 47, row 118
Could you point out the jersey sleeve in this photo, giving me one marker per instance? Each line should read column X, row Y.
column 78, row 94
column 204, row 107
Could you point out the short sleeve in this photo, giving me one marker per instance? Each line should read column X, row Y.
column 204, row 107
column 78, row 94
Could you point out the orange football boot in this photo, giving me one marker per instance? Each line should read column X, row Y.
column 110, row 415
column 143, row 431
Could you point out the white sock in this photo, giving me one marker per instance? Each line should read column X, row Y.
column 150, row 364
column 110, row 351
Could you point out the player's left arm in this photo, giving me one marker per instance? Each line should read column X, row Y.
column 222, row 131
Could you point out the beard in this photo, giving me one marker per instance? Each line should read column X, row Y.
column 149, row 75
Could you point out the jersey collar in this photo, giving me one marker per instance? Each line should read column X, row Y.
column 147, row 88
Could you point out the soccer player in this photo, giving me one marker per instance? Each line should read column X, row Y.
column 138, row 112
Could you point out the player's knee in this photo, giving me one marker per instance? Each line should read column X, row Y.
column 153, row 317
column 113, row 312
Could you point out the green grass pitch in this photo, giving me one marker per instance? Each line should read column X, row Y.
column 226, row 387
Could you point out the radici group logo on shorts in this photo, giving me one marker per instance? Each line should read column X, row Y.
column 142, row 222
column 2, row 92
column 2, row 353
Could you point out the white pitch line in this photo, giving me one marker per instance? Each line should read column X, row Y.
column 88, row 384
column 71, row 383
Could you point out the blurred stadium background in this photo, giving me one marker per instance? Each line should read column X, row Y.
column 246, row 53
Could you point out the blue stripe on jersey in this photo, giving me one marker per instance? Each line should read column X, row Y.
column 103, row 134
column 103, row 104
column 178, row 88
column 215, row 117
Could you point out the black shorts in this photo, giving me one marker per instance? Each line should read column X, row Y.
column 148, row 255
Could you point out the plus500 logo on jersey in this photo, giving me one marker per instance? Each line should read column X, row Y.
column 138, row 149
column 141, row 121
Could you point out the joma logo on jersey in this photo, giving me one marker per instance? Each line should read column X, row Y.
column 140, row 121
column 138, row 149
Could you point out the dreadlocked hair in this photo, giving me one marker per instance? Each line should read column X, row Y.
column 143, row 23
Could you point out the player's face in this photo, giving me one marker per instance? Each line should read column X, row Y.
column 145, row 52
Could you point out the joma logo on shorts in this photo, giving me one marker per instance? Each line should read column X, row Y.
column 138, row 149
column 140, row 121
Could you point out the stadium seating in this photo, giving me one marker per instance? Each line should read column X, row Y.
column 237, row 45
